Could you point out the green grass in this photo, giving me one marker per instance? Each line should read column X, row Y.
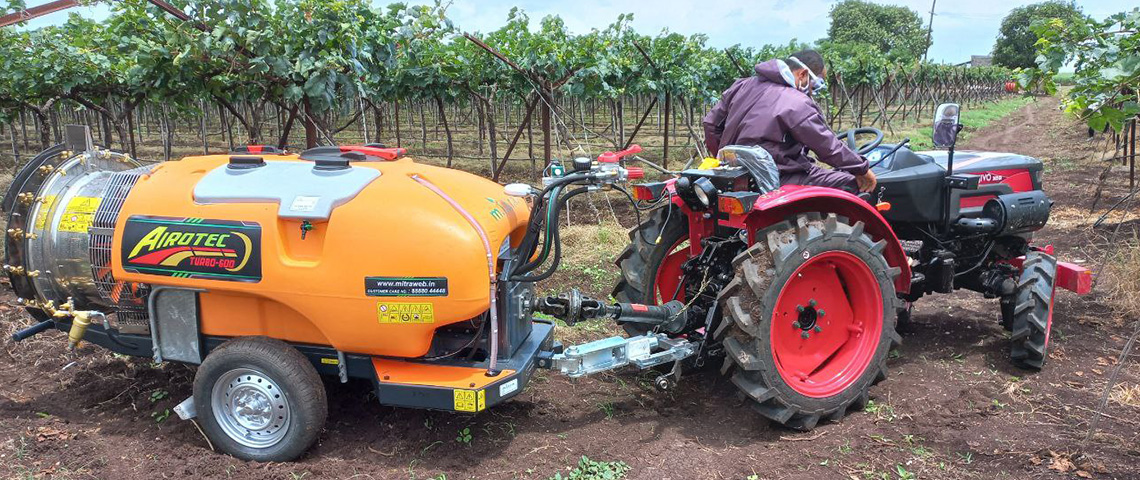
column 973, row 118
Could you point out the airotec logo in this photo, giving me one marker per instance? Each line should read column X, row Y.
column 169, row 248
column 192, row 248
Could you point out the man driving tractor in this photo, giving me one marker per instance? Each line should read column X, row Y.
column 774, row 110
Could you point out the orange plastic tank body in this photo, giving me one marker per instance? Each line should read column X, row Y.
column 312, row 290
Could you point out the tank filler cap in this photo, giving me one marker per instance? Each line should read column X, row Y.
column 518, row 190
column 245, row 162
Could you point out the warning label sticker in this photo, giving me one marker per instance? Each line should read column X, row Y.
column 79, row 214
column 470, row 400
column 405, row 286
column 388, row 312
column 41, row 217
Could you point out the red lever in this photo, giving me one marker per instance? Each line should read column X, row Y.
column 634, row 173
column 614, row 157
column 385, row 153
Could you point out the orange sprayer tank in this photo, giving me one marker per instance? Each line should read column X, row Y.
column 387, row 267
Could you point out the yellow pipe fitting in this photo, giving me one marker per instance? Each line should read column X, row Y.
column 79, row 323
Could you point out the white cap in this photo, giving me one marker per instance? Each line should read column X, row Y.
column 518, row 190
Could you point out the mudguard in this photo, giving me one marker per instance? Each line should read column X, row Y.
column 786, row 201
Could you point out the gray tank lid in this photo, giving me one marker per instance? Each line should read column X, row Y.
column 300, row 190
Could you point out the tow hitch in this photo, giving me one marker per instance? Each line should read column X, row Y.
column 642, row 351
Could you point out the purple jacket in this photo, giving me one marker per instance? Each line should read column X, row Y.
column 765, row 110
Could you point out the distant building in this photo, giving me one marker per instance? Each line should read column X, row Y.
column 981, row 60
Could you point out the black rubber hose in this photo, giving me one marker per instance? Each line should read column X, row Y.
column 537, row 215
column 555, row 231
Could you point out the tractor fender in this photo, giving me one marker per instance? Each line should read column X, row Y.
column 789, row 200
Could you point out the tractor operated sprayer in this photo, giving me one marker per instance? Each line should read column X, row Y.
column 269, row 269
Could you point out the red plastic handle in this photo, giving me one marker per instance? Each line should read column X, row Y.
column 634, row 173
column 614, row 157
column 385, row 153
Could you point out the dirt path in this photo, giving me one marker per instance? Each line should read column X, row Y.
column 953, row 407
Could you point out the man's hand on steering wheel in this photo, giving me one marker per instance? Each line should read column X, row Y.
column 866, row 181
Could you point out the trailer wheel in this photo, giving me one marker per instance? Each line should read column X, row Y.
column 809, row 319
column 1032, row 317
column 651, row 272
column 260, row 399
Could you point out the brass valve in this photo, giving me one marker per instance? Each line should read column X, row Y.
column 79, row 323
column 20, row 234
column 46, row 169
column 26, row 198
column 65, row 309
column 14, row 270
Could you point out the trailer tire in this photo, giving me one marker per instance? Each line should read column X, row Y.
column 1032, row 318
column 799, row 274
column 260, row 399
column 651, row 243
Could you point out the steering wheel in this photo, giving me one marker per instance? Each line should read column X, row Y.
column 849, row 137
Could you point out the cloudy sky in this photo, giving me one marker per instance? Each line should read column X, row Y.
column 961, row 27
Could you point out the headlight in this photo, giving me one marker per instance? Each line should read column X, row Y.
column 704, row 191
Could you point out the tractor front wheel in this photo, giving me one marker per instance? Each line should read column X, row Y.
column 260, row 399
column 1032, row 312
column 809, row 319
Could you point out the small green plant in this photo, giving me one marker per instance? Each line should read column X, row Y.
column 607, row 408
column 160, row 417
column 158, row 394
column 881, row 411
column 43, row 414
column 298, row 476
column 967, row 457
column 593, row 470
column 845, row 448
column 997, row 404
column 464, row 436
column 902, row 473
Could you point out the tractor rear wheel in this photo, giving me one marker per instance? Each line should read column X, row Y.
column 1032, row 317
column 809, row 319
column 260, row 399
column 651, row 263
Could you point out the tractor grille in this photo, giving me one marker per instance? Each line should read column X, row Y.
column 128, row 299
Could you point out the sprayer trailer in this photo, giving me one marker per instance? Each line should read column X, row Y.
column 269, row 269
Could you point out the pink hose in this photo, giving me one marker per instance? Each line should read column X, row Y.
column 491, row 370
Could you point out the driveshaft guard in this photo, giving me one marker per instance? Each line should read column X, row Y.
column 389, row 265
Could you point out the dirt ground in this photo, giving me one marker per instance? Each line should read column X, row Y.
column 953, row 407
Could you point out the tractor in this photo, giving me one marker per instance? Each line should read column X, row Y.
column 268, row 270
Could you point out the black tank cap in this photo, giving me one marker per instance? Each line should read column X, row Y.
column 245, row 162
column 330, row 164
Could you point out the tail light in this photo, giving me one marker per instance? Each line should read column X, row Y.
column 649, row 192
column 737, row 203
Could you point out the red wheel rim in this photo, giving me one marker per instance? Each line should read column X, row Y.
column 833, row 300
column 669, row 273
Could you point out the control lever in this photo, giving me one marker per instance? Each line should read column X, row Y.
column 573, row 307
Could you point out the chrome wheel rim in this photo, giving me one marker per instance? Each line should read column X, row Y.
column 251, row 408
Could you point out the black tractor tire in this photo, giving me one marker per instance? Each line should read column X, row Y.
column 643, row 256
column 1032, row 317
column 750, row 305
column 301, row 400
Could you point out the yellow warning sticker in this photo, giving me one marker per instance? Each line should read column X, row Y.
column 402, row 312
column 470, row 400
column 330, row 361
column 41, row 217
column 79, row 214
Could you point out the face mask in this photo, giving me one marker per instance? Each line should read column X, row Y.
column 815, row 84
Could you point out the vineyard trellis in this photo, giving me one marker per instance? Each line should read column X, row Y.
column 345, row 72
